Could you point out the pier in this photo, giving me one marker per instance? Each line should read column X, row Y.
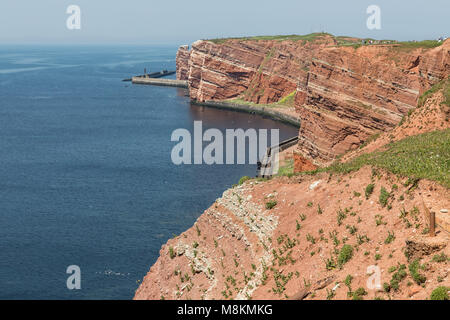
column 160, row 82
column 158, row 74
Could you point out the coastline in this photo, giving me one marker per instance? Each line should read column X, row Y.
column 270, row 112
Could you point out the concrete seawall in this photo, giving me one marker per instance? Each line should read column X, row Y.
column 260, row 109
column 255, row 109
column 160, row 82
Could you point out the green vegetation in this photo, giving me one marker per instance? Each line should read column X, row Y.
column 345, row 255
column 171, row 253
column 330, row 264
column 369, row 190
column 440, row 257
column 292, row 37
column 288, row 100
column 384, row 197
column 243, row 179
column 444, row 85
column 340, row 217
column 414, row 270
column 425, row 44
column 440, row 293
column 390, row 238
column 271, row 204
column 319, row 209
column 421, row 156
column 287, row 169
column 348, row 281
column 397, row 277
column 310, row 238
column 359, row 293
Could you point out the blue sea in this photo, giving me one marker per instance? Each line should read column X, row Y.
column 86, row 176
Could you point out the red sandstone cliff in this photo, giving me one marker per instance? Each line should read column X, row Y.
column 343, row 95
column 240, row 248
column 182, row 62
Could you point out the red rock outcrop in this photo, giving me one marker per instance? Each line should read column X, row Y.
column 351, row 94
column 182, row 62
column 258, row 71
column 343, row 94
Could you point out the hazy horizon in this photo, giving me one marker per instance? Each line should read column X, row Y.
column 140, row 22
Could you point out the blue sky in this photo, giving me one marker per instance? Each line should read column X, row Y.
column 184, row 21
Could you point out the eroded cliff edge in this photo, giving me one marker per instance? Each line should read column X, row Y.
column 343, row 91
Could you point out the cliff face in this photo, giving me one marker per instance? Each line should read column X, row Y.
column 284, row 238
column 351, row 94
column 182, row 62
column 343, row 95
column 257, row 71
column 239, row 249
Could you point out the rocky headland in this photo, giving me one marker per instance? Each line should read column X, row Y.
column 356, row 192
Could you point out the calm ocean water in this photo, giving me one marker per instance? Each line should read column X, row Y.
column 85, row 171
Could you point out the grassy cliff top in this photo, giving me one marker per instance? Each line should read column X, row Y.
column 292, row 37
column 339, row 40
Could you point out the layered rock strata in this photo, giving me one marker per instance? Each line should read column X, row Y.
column 343, row 94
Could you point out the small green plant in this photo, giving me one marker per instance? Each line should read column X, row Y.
column 352, row 229
column 319, row 209
column 330, row 294
column 330, row 264
column 333, row 236
column 414, row 270
column 345, row 254
column 377, row 257
column 171, row 253
column 359, row 293
column 271, row 204
column 361, row 238
column 392, row 269
column 340, row 217
column 348, row 282
column 440, row 257
column 440, row 293
column 384, row 197
column 369, row 190
column 310, row 238
column 390, row 238
column 310, row 204
column 397, row 277
column 379, row 220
